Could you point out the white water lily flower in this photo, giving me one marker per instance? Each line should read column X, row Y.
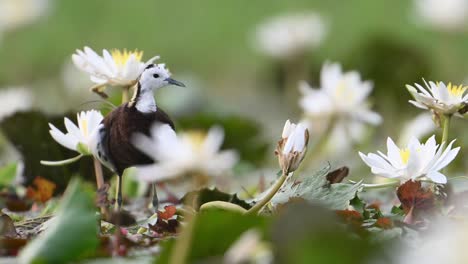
column 444, row 15
column 16, row 13
column 188, row 153
column 77, row 137
column 340, row 102
column 115, row 68
column 292, row 147
column 414, row 161
column 14, row 99
column 340, row 93
column 290, row 35
column 443, row 99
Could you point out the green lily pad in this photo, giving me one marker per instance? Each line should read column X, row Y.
column 73, row 233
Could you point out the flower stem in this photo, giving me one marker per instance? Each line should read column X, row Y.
column 125, row 94
column 182, row 245
column 61, row 162
column 98, row 172
column 100, row 182
column 445, row 131
column 258, row 206
column 378, row 185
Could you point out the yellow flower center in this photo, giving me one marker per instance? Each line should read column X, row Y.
column 196, row 138
column 121, row 57
column 343, row 91
column 456, row 90
column 84, row 127
column 404, row 154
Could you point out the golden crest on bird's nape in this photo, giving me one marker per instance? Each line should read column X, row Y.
column 154, row 76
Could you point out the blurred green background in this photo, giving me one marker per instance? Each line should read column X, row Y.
column 213, row 42
column 208, row 45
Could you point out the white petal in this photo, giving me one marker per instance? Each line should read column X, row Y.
column 214, row 140
column 286, row 129
column 447, row 159
column 62, row 139
column 393, row 153
column 418, row 105
column 72, row 129
column 369, row 116
column 437, row 177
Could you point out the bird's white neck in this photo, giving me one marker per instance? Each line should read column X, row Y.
column 144, row 100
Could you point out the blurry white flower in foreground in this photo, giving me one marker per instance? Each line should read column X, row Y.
column 340, row 101
column 290, row 35
column 13, row 100
column 444, row 243
column 417, row 127
column 115, row 68
column 412, row 162
column 443, row 99
column 443, row 14
column 16, row 13
column 184, row 154
column 292, row 147
column 78, row 137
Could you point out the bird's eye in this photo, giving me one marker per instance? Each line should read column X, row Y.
column 156, row 75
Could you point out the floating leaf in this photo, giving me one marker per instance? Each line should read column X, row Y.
column 73, row 234
column 43, row 190
column 309, row 233
column 205, row 195
column 316, row 188
column 214, row 232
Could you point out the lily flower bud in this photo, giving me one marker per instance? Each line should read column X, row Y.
column 292, row 147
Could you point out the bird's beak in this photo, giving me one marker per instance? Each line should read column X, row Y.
column 174, row 82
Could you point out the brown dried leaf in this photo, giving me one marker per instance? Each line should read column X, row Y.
column 351, row 217
column 411, row 194
column 7, row 227
column 11, row 246
column 337, row 175
column 169, row 212
column 10, row 200
column 43, row 191
column 384, row 223
column 162, row 226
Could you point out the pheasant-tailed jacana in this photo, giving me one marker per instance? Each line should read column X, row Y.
column 112, row 144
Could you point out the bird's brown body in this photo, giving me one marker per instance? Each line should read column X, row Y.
column 113, row 144
column 117, row 133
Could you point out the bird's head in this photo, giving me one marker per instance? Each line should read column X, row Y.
column 155, row 76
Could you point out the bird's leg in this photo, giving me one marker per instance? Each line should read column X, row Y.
column 155, row 200
column 119, row 193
